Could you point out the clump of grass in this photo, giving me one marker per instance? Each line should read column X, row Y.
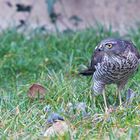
column 54, row 61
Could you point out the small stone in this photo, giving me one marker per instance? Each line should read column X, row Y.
column 70, row 107
column 130, row 96
column 81, row 107
column 47, row 109
column 54, row 117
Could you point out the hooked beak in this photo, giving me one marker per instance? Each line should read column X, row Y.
column 100, row 48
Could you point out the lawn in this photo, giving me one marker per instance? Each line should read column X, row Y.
column 54, row 61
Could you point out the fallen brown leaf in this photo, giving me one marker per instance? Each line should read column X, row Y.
column 17, row 110
column 36, row 91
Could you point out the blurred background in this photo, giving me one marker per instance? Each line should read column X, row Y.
column 63, row 15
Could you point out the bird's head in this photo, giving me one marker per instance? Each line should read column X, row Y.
column 112, row 46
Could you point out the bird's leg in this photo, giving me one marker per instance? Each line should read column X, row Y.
column 120, row 98
column 106, row 108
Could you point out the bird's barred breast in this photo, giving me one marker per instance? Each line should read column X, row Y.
column 116, row 69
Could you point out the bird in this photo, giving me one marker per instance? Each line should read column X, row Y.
column 114, row 61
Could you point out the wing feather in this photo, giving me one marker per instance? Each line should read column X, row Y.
column 97, row 57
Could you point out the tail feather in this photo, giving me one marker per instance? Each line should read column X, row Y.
column 87, row 72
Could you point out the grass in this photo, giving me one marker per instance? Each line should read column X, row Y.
column 54, row 61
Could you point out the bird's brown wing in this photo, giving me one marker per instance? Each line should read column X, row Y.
column 132, row 48
column 97, row 57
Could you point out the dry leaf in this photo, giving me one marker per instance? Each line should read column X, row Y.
column 17, row 111
column 36, row 91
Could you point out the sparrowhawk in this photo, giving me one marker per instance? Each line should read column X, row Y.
column 114, row 61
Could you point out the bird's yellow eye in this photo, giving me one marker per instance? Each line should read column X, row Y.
column 109, row 46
